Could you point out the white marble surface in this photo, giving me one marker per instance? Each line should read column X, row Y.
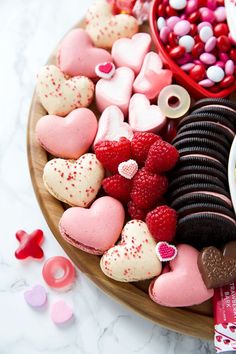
column 29, row 31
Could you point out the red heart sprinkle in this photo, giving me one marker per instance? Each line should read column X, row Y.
column 105, row 68
column 165, row 252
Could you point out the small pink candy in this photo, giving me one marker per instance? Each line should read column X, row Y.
column 203, row 24
column 221, row 64
column 192, row 5
column 211, row 4
column 171, row 22
column 197, row 62
column 220, row 14
column 206, row 83
column 207, row 14
column 187, row 67
column 207, row 58
column 164, row 33
column 210, row 44
column 186, row 58
column 182, row 28
column 223, row 57
column 229, row 67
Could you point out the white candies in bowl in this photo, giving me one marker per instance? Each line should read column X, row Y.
column 215, row 73
column 178, row 4
column 187, row 42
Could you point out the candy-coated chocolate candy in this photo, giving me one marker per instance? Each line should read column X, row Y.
column 36, row 297
column 170, row 11
column 207, row 58
column 197, row 73
column 193, row 29
column 206, row 83
column 215, row 73
column 202, row 3
column 232, row 54
column 161, row 10
column 211, row 4
column 214, row 89
column 161, row 22
column 182, row 28
column 205, row 33
column 186, row 58
column 164, row 33
column 187, row 67
column 207, row 14
column 197, row 62
column 183, row 17
column 198, row 49
column 182, row 97
column 58, row 272
column 171, row 22
column 192, row 5
column 221, row 64
column 187, row 42
column 203, row 24
column 223, row 43
column 193, row 18
column 221, row 29
column 220, row 14
column 29, row 244
column 220, row 2
column 223, row 57
column 168, row 47
column 210, row 44
column 227, row 81
column 177, row 52
column 178, row 4
column 229, row 67
column 172, row 39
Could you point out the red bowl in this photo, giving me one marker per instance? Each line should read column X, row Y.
column 179, row 75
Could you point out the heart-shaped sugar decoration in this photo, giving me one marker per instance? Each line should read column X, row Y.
column 165, row 252
column 61, row 312
column 219, row 338
column 36, row 297
column 105, row 70
column 128, row 168
column 232, row 328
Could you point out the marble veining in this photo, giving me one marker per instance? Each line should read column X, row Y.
column 29, row 31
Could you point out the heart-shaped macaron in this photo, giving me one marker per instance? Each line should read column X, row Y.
column 144, row 117
column 105, row 28
column 183, row 284
column 78, row 56
column 152, row 78
column 134, row 258
column 116, row 91
column 165, row 252
column 105, row 70
column 68, row 137
column 60, row 95
column 128, row 168
column 96, row 229
column 61, row 312
column 75, row 182
column 36, row 297
column 111, row 126
column 131, row 52
column 217, row 270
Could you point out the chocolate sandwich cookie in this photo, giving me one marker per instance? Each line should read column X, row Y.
column 204, row 151
column 199, row 159
column 192, row 179
column 223, row 111
column 200, row 207
column 209, row 117
column 210, row 187
column 213, row 101
column 202, row 197
column 206, row 229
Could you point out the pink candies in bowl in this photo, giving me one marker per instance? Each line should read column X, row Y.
column 197, row 35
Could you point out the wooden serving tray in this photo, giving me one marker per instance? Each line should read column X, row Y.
column 195, row 321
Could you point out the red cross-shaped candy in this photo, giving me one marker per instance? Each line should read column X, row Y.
column 29, row 244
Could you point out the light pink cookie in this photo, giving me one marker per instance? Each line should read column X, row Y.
column 75, row 182
column 144, row 117
column 104, row 28
column 111, row 126
column 134, row 258
column 116, row 91
column 131, row 52
column 93, row 230
column 183, row 284
column 152, row 78
column 68, row 137
column 60, row 95
column 78, row 56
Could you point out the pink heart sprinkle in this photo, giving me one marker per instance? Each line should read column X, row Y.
column 219, row 338
column 165, row 252
column 105, row 70
column 128, row 169
column 61, row 313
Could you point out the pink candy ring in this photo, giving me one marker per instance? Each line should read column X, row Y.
column 58, row 272
column 174, row 101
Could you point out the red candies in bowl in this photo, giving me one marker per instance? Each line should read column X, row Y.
column 196, row 36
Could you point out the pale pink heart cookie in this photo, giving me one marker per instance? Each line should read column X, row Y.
column 116, row 91
column 104, row 28
column 134, row 258
column 68, row 137
column 128, row 169
column 78, row 56
column 36, row 297
column 111, row 126
column 183, row 284
column 131, row 52
column 152, row 78
column 61, row 312
column 75, row 182
column 166, row 252
column 93, row 230
column 105, row 70
column 60, row 95
column 144, row 117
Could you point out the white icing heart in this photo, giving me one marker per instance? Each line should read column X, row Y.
column 75, row 182
column 134, row 258
column 128, row 168
column 60, row 95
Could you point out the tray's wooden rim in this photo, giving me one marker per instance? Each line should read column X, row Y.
column 184, row 320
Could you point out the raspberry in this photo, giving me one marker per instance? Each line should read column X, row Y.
column 162, row 157
column 140, row 146
column 136, row 212
column 161, row 223
column 118, row 187
column 112, row 153
column 147, row 188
